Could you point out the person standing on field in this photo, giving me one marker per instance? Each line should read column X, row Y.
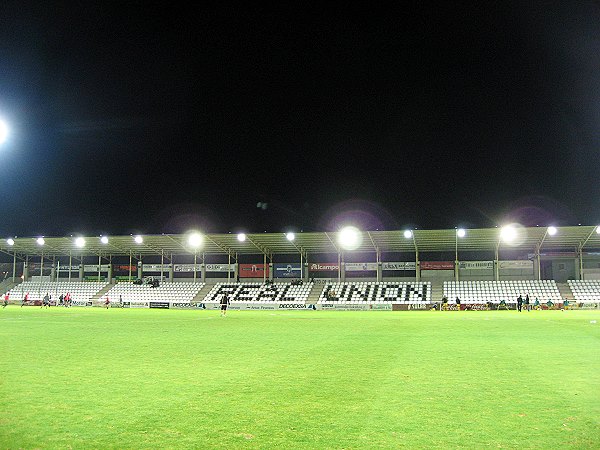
column 224, row 305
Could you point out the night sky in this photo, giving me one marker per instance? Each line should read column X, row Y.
column 159, row 119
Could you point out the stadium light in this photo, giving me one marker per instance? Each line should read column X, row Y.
column 552, row 231
column 241, row 237
column 10, row 241
column 598, row 229
column 80, row 242
column 290, row 236
column 349, row 238
column 408, row 234
column 508, row 233
column 3, row 132
column 138, row 239
column 41, row 241
column 195, row 240
column 104, row 239
column 461, row 232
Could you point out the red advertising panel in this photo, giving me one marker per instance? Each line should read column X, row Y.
column 253, row 271
column 323, row 267
column 437, row 265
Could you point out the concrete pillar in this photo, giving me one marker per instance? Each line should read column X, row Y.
column 110, row 272
column 26, row 269
column 172, row 270
column 270, row 271
column 236, row 272
column 140, row 271
column 81, row 274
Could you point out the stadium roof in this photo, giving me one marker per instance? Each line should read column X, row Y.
column 566, row 239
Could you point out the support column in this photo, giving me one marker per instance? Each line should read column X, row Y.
column 379, row 266
column 14, row 267
column 203, row 269
column 26, row 268
column 265, row 267
column 53, row 269
column 110, row 271
column 70, row 264
column 342, row 268
column 172, row 269
column 580, row 264
column 496, row 267
column 195, row 261
column 417, row 267
column 130, row 262
column 140, row 267
column 81, row 270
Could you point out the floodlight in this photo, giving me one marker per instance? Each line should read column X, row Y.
column 104, row 239
column 598, row 229
column 407, row 234
column 290, row 236
column 552, row 231
column 241, row 237
column 350, row 238
column 461, row 232
column 138, row 239
column 10, row 241
column 3, row 131
column 80, row 242
column 508, row 233
column 195, row 239
column 41, row 241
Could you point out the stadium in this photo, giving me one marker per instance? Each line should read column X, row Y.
column 352, row 339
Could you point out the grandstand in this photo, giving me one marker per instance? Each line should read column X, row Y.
column 81, row 292
column 496, row 291
column 374, row 292
column 585, row 291
column 259, row 292
column 166, row 292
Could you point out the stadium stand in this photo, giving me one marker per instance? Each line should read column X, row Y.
column 376, row 292
column 259, row 292
column 166, row 292
column 81, row 291
column 585, row 291
column 496, row 291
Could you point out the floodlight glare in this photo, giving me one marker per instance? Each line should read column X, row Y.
column 461, row 232
column 138, row 239
column 407, row 234
column 241, row 237
column 552, row 231
column 598, row 229
column 80, row 242
column 195, row 239
column 10, row 241
column 508, row 233
column 290, row 236
column 41, row 241
column 3, row 131
column 349, row 238
column 104, row 239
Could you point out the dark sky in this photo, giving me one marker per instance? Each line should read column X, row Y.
column 161, row 118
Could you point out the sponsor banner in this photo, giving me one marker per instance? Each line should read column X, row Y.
column 474, row 307
column 476, row 265
column 123, row 278
column 408, row 265
column 294, row 306
column 587, row 305
column 220, row 267
column 159, row 305
column 412, row 306
column 361, row 267
column 156, row 268
column 287, row 270
column 186, row 267
column 135, row 304
column 520, row 264
column 354, row 306
column 253, row 271
column 323, row 267
column 81, row 303
column 437, row 265
column 186, row 305
column 122, row 268
column 62, row 268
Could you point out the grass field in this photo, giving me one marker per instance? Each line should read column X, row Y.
column 119, row 378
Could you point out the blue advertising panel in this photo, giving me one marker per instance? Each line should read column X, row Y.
column 289, row 270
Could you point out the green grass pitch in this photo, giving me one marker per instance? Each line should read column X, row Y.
column 119, row 378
